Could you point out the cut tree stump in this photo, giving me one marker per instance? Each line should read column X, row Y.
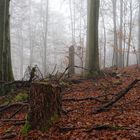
column 45, row 105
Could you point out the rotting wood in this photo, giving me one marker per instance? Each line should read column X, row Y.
column 45, row 105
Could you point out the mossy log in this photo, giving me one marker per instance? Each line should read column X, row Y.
column 45, row 105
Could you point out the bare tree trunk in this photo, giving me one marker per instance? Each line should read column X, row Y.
column 121, row 34
column 115, row 51
column 30, row 35
column 20, row 44
column 104, row 34
column 6, row 73
column 124, row 36
column 130, row 33
column 45, row 40
column 92, row 37
column 72, row 22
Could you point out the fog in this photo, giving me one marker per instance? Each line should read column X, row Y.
column 65, row 24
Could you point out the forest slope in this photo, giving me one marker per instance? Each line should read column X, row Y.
column 79, row 122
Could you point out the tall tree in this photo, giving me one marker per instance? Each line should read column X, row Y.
column 45, row 38
column 120, row 35
column 6, row 73
column 115, row 51
column 92, row 36
column 130, row 32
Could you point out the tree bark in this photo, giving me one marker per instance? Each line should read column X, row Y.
column 45, row 105
column 115, row 51
column 71, row 70
column 6, row 73
column 92, row 36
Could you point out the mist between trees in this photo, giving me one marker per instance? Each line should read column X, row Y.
column 42, row 32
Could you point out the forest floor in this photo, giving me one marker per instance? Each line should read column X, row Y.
column 79, row 121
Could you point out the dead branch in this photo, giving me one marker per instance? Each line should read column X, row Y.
column 12, row 120
column 14, row 83
column 8, row 136
column 17, row 111
column 82, row 99
column 116, row 97
column 69, row 68
column 105, row 127
column 12, row 105
column 67, row 129
column 96, row 127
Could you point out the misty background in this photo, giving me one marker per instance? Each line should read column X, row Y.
column 52, row 26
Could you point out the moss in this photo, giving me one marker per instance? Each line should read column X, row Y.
column 115, row 128
column 51, row 122
column 26, row 128
column 54, row 118
column 21, row 97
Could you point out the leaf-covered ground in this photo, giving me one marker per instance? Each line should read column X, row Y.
column 78, row 121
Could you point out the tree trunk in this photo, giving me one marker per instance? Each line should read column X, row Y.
column 115, row 51
column 6, row 73
column 121, row 34
column 130, row 33
column 45, row 105
column 92, row 37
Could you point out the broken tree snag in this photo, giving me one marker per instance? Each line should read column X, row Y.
column 116, row 97
column 45, row 105
column 71, row 69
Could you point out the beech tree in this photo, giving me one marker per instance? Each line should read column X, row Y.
column 6, row 73
column 92, row 36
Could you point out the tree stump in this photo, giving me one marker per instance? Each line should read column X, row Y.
column 45, row 105
column 71, row 70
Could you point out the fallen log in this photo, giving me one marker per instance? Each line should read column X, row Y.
column 116, row 97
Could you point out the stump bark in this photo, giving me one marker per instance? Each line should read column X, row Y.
column 45, row 105
column 71, row 69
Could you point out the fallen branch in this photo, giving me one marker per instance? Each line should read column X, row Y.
column 97, row 127
column 8, row 136
column 105, row 127
column 11, row 105
column 116, row 97
column 82, row 99
column 11, row 120
column 16, row 112
column 69, row 68
column 67, row 129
